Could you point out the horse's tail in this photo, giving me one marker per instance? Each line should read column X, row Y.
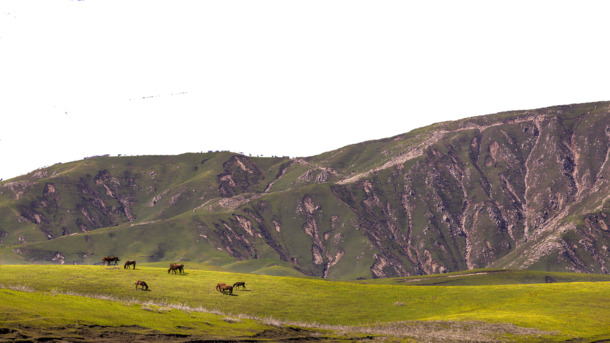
column 134, row 267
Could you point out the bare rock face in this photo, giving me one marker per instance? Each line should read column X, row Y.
column 102, row 202
column 481, row 192
column 240, row 174
column 321, row 255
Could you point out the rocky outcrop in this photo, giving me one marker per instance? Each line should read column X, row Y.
column 321, row 255
column 240, row 173
column 102, row 203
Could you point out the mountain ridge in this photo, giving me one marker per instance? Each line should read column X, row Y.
column 520, row 189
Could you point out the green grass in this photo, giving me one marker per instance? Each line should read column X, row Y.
column 40, row 310
column 552, row 308
column 482, row 277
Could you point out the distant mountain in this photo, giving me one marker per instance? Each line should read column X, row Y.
column 523, row 189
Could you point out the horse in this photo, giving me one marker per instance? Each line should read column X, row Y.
column 238, row 284
column 175, row 266
column 129, row 263
column 221, row 287
column 141, row 283
column 110, row 259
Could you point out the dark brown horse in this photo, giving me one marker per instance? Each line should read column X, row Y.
column 239, row 284
column 129, row 263
column 176, row 267
column 141, row 283
column 221, row 287
column 110, row 259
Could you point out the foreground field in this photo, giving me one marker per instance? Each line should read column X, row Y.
column 97, row 303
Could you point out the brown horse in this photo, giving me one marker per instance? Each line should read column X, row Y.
column 176, row 266
column 223, row 287
column 219, row 285
column 239, row 284
column 129, row 263
column 110, row 259
column 141, row 283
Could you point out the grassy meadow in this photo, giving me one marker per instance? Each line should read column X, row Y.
column 100, row 301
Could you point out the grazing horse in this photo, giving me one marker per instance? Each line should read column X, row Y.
column 219, row 285
column 222, row 288
column 129, row 263
column 141, row 283
column 110, row 259
column 176, row 266
column 238, row 284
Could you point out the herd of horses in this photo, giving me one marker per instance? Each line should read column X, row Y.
column 173, row 267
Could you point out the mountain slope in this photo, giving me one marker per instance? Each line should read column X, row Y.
column 522, row 189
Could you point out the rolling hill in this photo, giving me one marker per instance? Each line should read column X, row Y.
column 520, row 190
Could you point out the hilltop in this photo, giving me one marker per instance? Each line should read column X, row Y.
column 521, row 190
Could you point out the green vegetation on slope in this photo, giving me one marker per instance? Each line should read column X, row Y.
column 515, row 190
column 51, row 316
column 480, row 277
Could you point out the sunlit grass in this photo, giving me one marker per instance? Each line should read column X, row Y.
column 551, row 308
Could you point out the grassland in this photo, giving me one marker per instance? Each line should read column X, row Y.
column 92, row 302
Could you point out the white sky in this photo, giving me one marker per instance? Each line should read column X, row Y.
column 295, row 78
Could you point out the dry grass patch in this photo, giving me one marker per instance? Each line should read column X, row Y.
column 21, row 288
column 446, row 331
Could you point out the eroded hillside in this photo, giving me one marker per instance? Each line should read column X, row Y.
column 525, row 189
